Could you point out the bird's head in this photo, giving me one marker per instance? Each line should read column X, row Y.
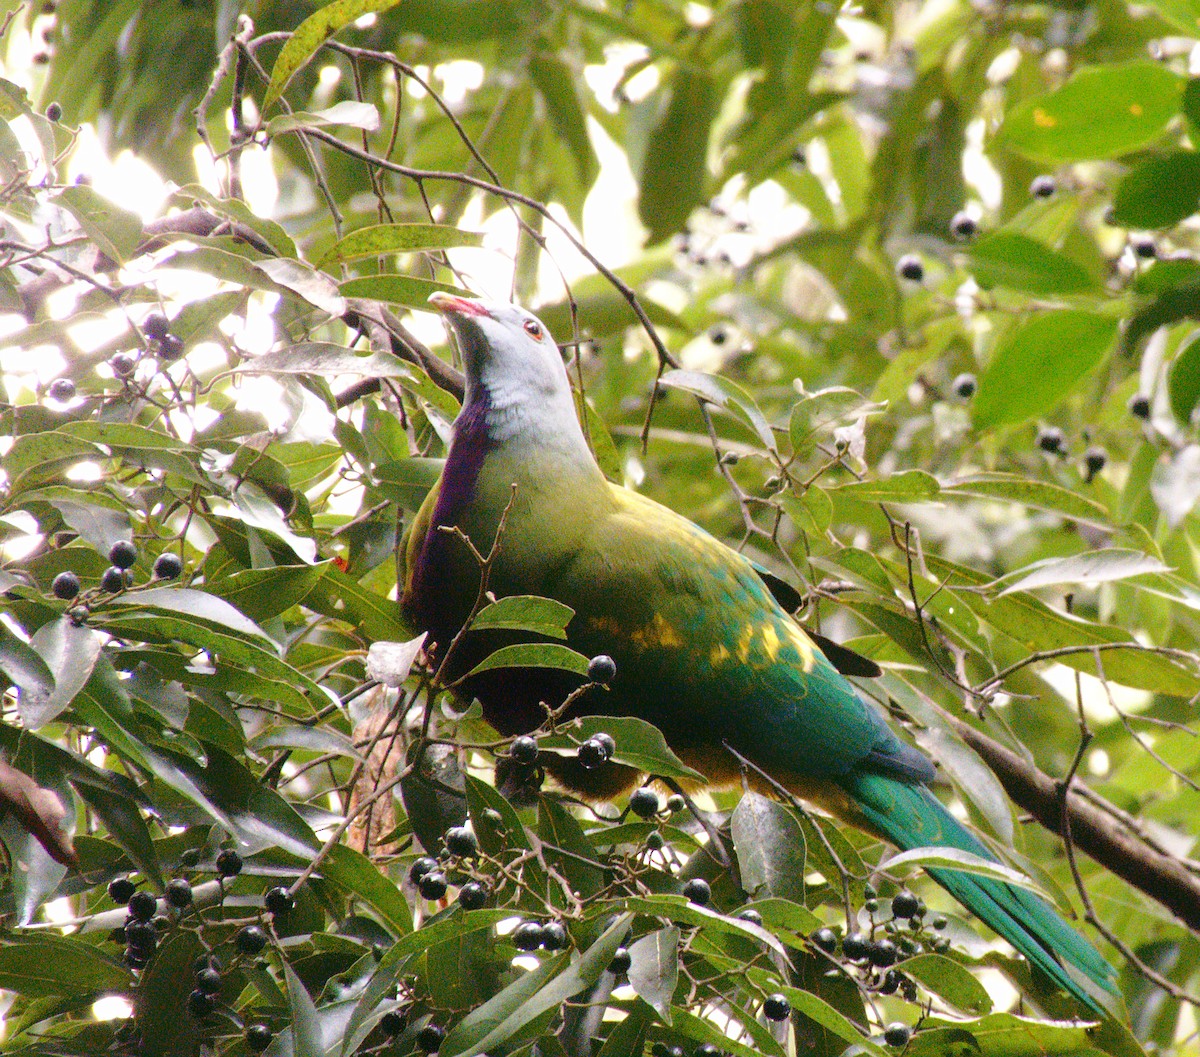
column 510, row 357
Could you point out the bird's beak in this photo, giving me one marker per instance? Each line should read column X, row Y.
column 453, row 305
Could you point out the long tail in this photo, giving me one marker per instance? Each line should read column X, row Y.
column 910, row 816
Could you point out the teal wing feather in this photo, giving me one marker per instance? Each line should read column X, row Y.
column 705, row 652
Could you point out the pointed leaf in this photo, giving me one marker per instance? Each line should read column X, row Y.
column 349, row 113
column 1037, row 364
column 949, row 980
column 727, row 395
column 771, row 848
column 1091, row 567
column 407, row 290
column 70, row 652
column 380, row 240
column 47, row 964
column 1159, row 192
column 196, row 604
column 654, row 969
column 639, row 744
column 1017, row 262
column 1183, row 382
column 533, row 655
column 953, row 859
column 1100, row 112
column 526, row 613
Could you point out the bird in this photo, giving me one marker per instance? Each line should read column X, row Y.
column 702, row 649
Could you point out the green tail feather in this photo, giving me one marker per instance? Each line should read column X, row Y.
column 910, row 816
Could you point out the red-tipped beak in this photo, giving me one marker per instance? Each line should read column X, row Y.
column 451, row 304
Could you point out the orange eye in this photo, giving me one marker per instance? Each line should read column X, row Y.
column 534, row 329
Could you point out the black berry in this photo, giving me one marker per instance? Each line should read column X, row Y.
column 135, row 959
column 592, row 754
column 122, row 364
column 1043, row 186
column 675, row 803
column 606, row 742
column 140, row 937
column 698, row 891
column 910, row 267
column 897, row 1035
column 601, row 669
column 621, row 961
column 120, row 889
column 199, row 1004
column 208, row 981
column 65, row 585
column 891, row 982
column 1139, row 405
column 123, row 554
column 856, row 947
column 392, row 1023
column 61, row 389
column 750, row 915
column 250, row 940
column 279, row 900
column 168, row 566
column 113, row 580
column 904, row 904
column 527, row 936
column 963, row 226
column 420, row 868
column 939, row 922
column 524, row 749
column 707, row 1049
column 258, row 1037
column 554, row 936
column 644, row 803
column 777, row 1007
column 54, row 111
column 655, row 841
column 1144, row 246
column 826, row 940
column 461, row 841
column 179, row 893
column 432, row 885
column 229, row 863
column 429, row 1038
column 156, row 326
column 142, row 905
column 472, row 895
column 189, row 857
column 883, row 953
column 964, row 386
column 1050, row 439
column 718, row 335
column 1094, row 460
column 170, row 348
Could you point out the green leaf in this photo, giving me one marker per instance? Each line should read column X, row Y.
column 908, row 486
column 325, row 358
column 163, row 992
column 24, row 667
column 533, row 655
column 263, row 593
column 639, row 744
column 654, row 969
column 963, row 861
column 556, row 83
column 949, row 980
column 47, row 964
column 116, row 231
column 1183, row 14
column 771, row 848
column 69, row 651
column 999, row 1035
column 380, row 240
column 1090, row 568
column 1159, row 192
column 405, row 290
column 199, row 605
column 306, row 1024
column 821, row 1012
column 727, row 395
column 349, row 113
column 1017, row 262
column 674, row 173
column 1183, row 381
column 526, row 613
column 311, row 34
column 503, row 1016
column 1101, row 112
column 98, row 525
column 1037, row 364
column 1040, row 495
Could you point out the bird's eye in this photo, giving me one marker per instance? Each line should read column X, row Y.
column 534, row 329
